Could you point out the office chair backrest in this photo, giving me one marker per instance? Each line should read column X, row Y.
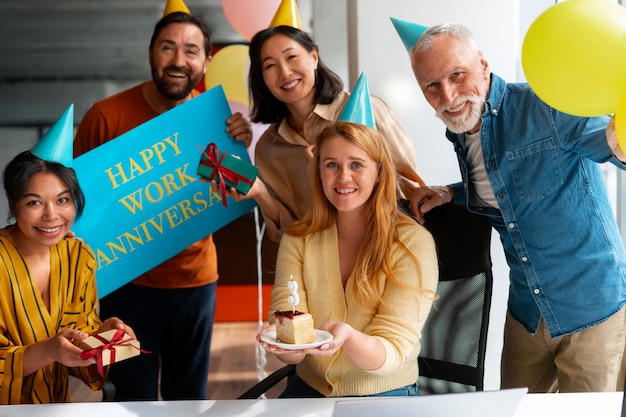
column 454, row 338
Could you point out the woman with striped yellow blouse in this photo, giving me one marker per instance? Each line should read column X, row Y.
column 48, row 292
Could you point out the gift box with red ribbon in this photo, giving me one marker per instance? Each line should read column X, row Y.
column 109, row 347
column 228, row 170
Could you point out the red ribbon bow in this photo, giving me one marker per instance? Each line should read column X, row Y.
column 222, row 172
column 116, row 340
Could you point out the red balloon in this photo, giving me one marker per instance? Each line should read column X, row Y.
column 248, row 17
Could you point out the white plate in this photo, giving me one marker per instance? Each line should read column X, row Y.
column 322, row 337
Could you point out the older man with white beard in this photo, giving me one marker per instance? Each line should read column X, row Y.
column 534, row 173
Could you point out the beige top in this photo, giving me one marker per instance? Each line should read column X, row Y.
column 283, row 163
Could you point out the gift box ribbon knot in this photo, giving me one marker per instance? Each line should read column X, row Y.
column 215, row 162
column 117, row 340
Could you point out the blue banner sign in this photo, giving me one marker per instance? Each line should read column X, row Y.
column 144, row 200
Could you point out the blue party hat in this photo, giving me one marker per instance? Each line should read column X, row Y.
column 358, row 108
column 56, row 144
column 409, row 32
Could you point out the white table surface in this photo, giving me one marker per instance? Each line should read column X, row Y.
column 569, row 405
column 533, row 405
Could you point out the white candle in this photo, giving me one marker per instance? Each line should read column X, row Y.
column 294, row 298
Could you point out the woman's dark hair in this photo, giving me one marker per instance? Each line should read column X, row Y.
column 265, row 107
column 18, row 173
column 182, row 17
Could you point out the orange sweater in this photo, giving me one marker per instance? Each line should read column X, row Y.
column 110, row 118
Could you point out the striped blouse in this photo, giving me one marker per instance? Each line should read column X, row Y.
column 25, row 320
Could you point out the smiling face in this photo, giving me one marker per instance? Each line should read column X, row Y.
column 347, row 173
column 178, row 60
column 288, row 69
column 45, row 213
column 454, row 77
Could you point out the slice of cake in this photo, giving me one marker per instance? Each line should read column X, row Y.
column 294, row 327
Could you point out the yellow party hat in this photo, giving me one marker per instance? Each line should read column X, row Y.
column 175, row 6
column 287, row 15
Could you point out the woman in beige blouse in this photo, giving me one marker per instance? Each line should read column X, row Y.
column 294, row 91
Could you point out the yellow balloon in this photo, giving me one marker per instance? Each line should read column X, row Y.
column 574, row 56
column 620, row 123
column 229, row 67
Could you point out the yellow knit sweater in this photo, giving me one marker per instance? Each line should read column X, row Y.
column 313, row 261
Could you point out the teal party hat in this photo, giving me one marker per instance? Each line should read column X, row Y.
column 358, row 108
column 56, row 144
column 409, row 32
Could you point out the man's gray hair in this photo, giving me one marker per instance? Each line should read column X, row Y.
column 427, row 38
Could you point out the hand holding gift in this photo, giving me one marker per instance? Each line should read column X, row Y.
column 109, row 347
column 227, row 170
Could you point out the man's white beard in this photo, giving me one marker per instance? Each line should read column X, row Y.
column 462, row 124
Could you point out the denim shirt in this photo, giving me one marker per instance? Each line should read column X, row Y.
column 561, row 241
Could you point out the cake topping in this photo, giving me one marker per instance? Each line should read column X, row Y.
column 281, row 315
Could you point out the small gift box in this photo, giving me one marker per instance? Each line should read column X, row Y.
column 227, row 169
column 109, row 347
